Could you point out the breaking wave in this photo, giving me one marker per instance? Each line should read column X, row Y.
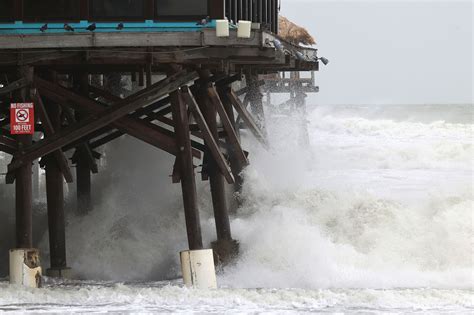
column 369, row 202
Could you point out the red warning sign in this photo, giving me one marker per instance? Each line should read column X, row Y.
column 22, row 119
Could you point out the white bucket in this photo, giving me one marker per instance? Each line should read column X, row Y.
column 245, row 29
column 222, row 28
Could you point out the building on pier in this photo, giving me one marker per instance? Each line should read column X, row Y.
column 52, row 53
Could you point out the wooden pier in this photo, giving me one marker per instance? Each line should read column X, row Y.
column 183, row 74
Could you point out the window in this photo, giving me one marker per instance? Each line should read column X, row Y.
column 6, row 10
column 35, row 10
column 117, row 9
column 176, row 8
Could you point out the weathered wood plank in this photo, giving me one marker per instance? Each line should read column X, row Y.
column 132, row 39
column 186, row 168
column 247, row 118
column 19, row 84
column 209, row 139
column 228, row 127
column 141, row 130
column 6, row 149
column 49, row 131
column 108, row 116
column 246, row 89
column 8, row 142
column 83, row 147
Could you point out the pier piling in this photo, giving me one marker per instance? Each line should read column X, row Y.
column 186, row 171
column 83, row 170
column 55, row 202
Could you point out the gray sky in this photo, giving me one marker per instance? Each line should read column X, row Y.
column 386, row 51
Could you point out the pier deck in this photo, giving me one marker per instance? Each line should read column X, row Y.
column 155, row 48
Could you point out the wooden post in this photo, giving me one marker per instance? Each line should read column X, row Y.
column 256, row 100
column 149, row 77
column 55, row 201
column 236, row 167
column 23, row 191
column 225, row 247
column 56, row 222
column 83, row 171
column 24, row 182
column 216, row 179
column 186, row 169
column 300, row 106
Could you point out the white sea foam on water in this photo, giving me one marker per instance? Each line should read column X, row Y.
column 375, row 214
column 371, row 203
column 165, row 298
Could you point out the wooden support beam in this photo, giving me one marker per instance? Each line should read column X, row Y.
column 116, row 134
column 54, row 192
column 141, row 77
column 106, row 139
column 84, row 187
column 7, row 149
column 107, row 116
column 176, row 175
column 235, row 165
column 19, row 84
column 256, row 101
column 140, row 112
column 8, row 144
column 83, row 150
column 142, row 130
column 10, row 177
column 208, row 137
column 24, row 199
column 105, row 94
column 148, row 75
column 216, row 178
column 24, row 179
column 229, row 80
column 146, row 111
column 149, row 117
column 83, row 156
column 228, row 127
column 186, row 168
column 49, row 131
column 247, row 118
column 246, row 89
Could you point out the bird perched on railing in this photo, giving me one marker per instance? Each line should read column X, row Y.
column 44, row 28
column 205, row 21
column 120, row 26
column 91, row 27
column 68, row 27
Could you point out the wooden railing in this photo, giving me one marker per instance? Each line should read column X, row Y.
column 258, row 11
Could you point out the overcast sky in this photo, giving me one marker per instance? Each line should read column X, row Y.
column 383, row 51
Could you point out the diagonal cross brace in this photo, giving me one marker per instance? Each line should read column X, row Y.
column 207, row 135
column 228, row 127
column 102, row 119
column 6, row 149
column 247, row 118
column 9, row 145
column 49, row 131
column 144, row 131
column 19, row 84
column 82, row 148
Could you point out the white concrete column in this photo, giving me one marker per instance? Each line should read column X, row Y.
column 198, row 269
column 25, row 267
